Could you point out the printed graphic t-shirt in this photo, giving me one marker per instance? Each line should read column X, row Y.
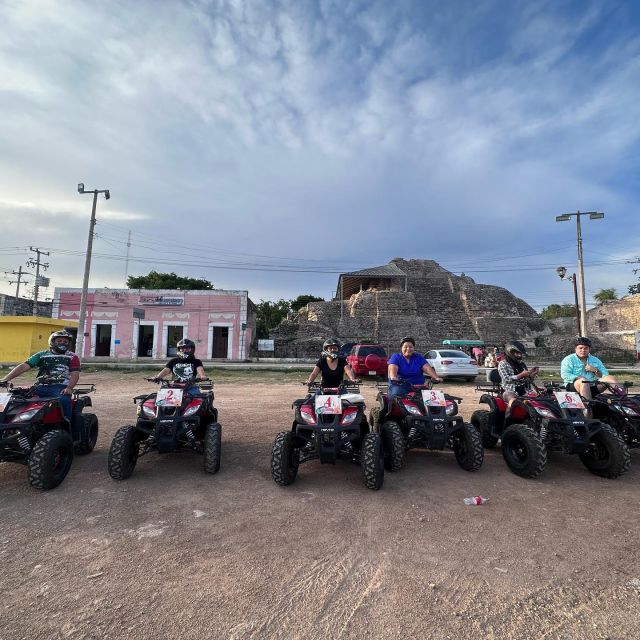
column 55, row 366
column 184, row 370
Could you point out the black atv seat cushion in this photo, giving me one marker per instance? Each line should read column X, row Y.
column 494, row 376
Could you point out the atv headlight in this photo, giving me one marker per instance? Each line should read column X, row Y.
column 148, row 412
column 411, row 408
column 26, row 415
column 194, row 408
column 544, row 412
column 628, row 410
column 349, row 418
column 451, row 408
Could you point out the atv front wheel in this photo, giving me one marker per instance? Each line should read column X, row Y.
column 285, row 458
column 393, row 446
column 481, row 420
column 88, row 434
column 523, row 451
column 467, row 447
column 123, row 453
column 212, row 448
column 50, row 460
column 607, row 455
column 372, row 461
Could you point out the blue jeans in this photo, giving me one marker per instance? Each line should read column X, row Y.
column 396, row 389
column 53, row 391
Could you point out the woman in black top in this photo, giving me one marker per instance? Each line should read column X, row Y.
column 331, row 365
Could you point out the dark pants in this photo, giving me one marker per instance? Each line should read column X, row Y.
column 398, row 389
column 53, row 391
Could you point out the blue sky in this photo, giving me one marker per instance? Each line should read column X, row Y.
column 268, row 145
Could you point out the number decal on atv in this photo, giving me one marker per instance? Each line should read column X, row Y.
column 169, row 397
column 433, row 398
column 328, row 405
column 569, row 400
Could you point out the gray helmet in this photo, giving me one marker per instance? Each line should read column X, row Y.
column 514, row 346
column 186, row 348
column 331, row 342
column 60, row 348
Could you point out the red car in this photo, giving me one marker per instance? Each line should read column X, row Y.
column 368, row 359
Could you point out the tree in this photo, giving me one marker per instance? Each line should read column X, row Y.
column 635, row 288
column 302, row 300
column 559, row 311
column 155, row 280
column 269, row 315
column 604, row 295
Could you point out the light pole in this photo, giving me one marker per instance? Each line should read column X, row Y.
column 562, row 273
column 565, row 217
column 87, row 265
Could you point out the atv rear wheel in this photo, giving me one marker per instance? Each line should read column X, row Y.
column 523, row 451
column 50, row 460
column 285, row 459
column 607, row 455
column 212, row 448
column 88, row 434
column 372, row 461
column 123, row 453
column 481, row 420
column 393, row 446
column 467, row 447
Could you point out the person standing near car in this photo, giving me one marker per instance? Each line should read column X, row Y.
column 408, row 368
column 515, row 377
column 185, row 367
column 582, row 371
column 58, row 370
column 332, row 366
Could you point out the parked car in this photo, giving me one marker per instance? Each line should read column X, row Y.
column 452, row 363
column 345, row 349
column 368, row 359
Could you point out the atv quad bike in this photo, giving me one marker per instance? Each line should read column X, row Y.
column 329, row 424
column 169, row 420
column 540, row 422
column 34, row 431
column 424, row 419
column 619, row 409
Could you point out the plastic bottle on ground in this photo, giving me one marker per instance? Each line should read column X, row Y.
column 475, row 500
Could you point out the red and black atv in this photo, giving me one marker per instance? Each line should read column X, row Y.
column 424, row 419
column 329, row 424
column 619, row 409
column 172, row 419
column 541, row 422
column 34, row 432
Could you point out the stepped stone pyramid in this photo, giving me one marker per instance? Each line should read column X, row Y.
column 408, row 297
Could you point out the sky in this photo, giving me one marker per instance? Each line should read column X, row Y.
column 270, row 145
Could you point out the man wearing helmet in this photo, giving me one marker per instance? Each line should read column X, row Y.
column 332, row 366
column 582, row 371
column 514, row 375
column 185, row 366
column 58, row 370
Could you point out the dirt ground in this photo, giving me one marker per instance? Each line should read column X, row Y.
column 173, row 553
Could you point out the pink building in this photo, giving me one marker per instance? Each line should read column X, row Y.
column 145, row 323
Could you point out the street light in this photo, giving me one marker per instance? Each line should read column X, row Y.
column 562, row 274
column 565, row 217
column 87, row 265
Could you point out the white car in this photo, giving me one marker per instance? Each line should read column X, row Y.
column 452, row 363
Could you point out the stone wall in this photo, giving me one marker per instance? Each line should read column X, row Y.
column 615, row 315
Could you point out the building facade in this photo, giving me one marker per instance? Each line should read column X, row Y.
column 148, row 323
column 20, row 336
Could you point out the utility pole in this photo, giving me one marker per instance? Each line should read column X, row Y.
column 18, row 282
column 87, row 266
column 593, row 215
column 126, row 262
column 37, row 263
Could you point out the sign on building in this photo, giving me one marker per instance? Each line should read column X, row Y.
column 138, row 313
column 265, row 345
column 164, row 301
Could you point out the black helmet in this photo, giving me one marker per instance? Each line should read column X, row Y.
column 186, row 348
column 408, row 339
column 581, row 340
column 331, row 342
column 60, row 348
column 514, row 346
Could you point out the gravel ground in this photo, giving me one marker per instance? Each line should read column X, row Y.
column 172, row 553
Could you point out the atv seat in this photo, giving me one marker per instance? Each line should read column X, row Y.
column 494, row 376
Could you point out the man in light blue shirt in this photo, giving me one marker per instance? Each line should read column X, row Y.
column 582, row 371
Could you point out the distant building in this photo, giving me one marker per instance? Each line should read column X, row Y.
column 148, row 323
column 23, row 335
column 24, row 307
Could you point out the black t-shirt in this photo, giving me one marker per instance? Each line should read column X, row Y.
column 186, row 369
column 331, row 378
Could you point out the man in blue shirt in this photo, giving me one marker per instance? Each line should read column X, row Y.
column 582, row 371
column 407, row 368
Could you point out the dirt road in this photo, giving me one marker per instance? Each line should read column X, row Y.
column 172, row 553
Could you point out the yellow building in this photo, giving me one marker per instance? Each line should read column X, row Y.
column 20, row 336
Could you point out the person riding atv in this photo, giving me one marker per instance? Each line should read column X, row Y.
column 58, row 368
column 332, row 365
column 185, row 366
column 515, row 377
column 408, row 368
